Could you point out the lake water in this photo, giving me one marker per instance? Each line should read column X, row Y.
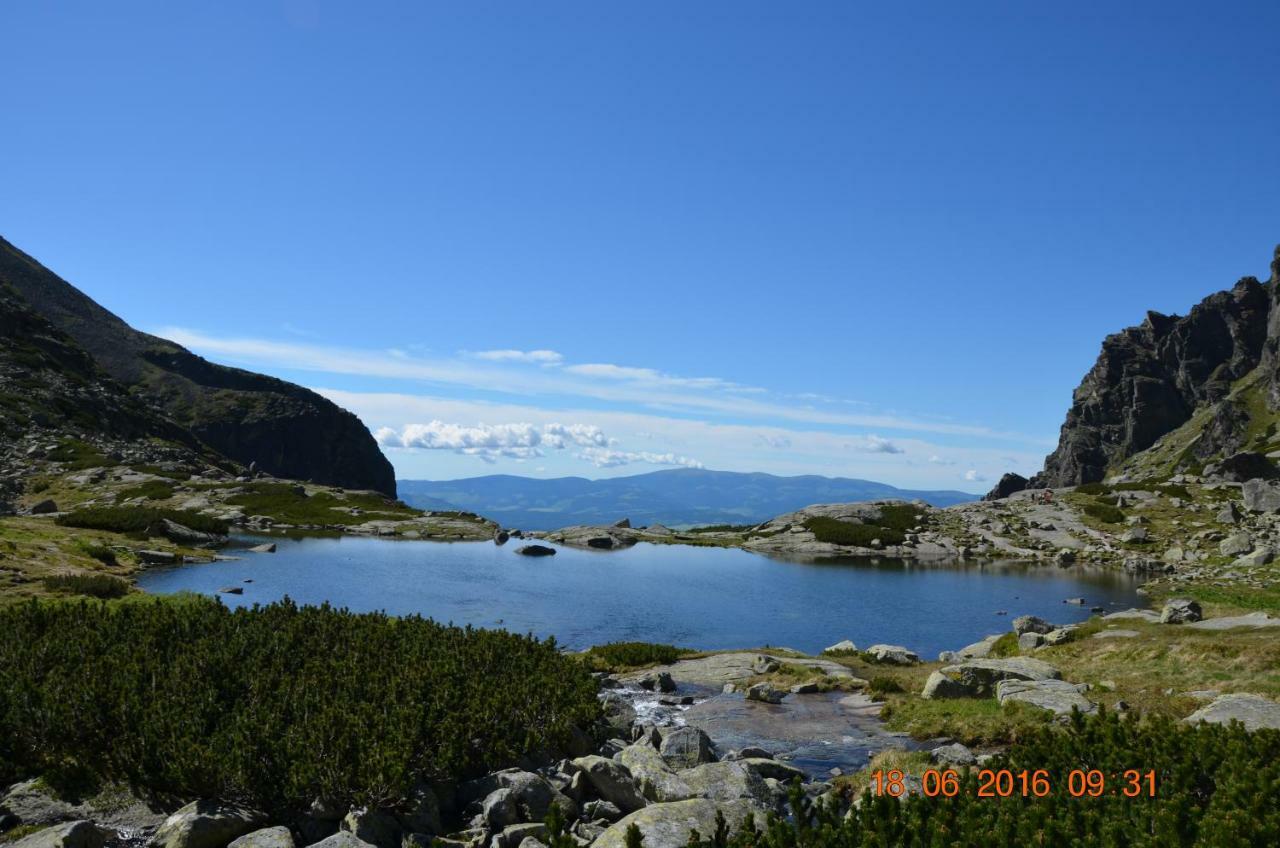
column 708, row 598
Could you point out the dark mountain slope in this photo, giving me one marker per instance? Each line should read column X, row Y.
column 679, row 496
column 1213, row 375
column 287, row 430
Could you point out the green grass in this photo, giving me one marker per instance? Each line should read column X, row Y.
column 78, row 455
column 890, row 527
column 1106, row 513
column 136, row 520
column 972, row 721
column 881, row 685
column 101, row 553
column 158, row 471
column 1005, row 646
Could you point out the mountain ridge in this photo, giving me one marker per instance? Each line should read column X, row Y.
column 678, row 497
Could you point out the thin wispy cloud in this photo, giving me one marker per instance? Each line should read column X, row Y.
column 537, row 357
column 608, row 458
column 519, row 440
column 618, row 384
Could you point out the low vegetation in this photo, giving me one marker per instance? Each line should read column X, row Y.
column 274, row 706
column 152, row 490
column 1213, row 786
column 93, row 585
column 290, row 503
column 137, row 520
column 890, row 528
column 619, row 656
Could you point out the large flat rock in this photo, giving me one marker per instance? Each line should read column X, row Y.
column 719, row 669
column 1253, row 711
column 669, row 825
column 1230, row 622
column 1056, row 696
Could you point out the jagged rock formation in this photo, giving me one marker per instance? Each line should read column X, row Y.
column 1151, row 379
column 1008, row 484
column 285, row 429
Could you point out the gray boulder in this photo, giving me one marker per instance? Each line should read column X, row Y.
column 1253, row 711
column 1061, row 635
column 1261, row 495
column 726, row 782
column 1031, row 624
column 771, row 769
column 844, row 646
column 954, row 754
column 686, row 747
column 75, row 834
column 1180, row 611
column 656, row 780
column 516, row 835
column 612, row 782
column 941, row 687
column 982, row 675
column 1030, row 641
column 376, row 827
column 44, row 507
column 669, row 825
column 1057, row 696
column 1236, row 544
column 206, row 824
column 341, row 839
column 893, row 655
column 271, row 837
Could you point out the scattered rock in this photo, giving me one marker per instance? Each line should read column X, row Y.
column 159, row 557
column 954, row 754
column 1261, row 496
column 765, row 693
column 75, row 834
column 1057, row 696
column 266, row 548
column 893, row 655
column 231, row 590
column 940, row 687
column 612, row 782
column 1180, row 611
column 374, row 827
column 1236, row 544
column 670, row 825
column 206, row 824
column 536, row 551
column 982, row 675
column 686, row 747
column 1031, row 624
column 271, row 837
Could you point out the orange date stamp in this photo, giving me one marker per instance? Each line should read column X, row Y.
column 1006, row 783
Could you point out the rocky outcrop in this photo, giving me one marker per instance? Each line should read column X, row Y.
column 1009, row 484
column 1150, row 379
column 287, row 430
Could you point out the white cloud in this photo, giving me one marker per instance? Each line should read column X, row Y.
column 937, row 460
column 973, row 476
column 520, row 440
column 773, row 441
column 606, row 458
column 875, row 444
column 537, row 357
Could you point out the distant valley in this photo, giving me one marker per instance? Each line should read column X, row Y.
column 676, row 498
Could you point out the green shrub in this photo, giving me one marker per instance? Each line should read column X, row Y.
column 94, row 585
column 616, row 656
column 152, row 490
column 1104, row 512
column 837, row 532
column 101, row 553
column 158, row 471
column 276, row 705
column 1092, row 489
column 289, row 503
column 136, row 519
column 1214, row 787
column 78, row 455
column 881, row 685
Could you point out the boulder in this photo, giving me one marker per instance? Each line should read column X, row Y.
column 1030, row 641
column 624, row 523
column 765, row 693
column 982, row 675
column 1031, row 624
column 941, row 687
column 670, row 825
column 1229, row 514
column 612, row 782
column 845, row 646
column 771, row 769
column 341, row 839
column 978, row 649
column 376, row 827
column 1236, row 544
column 601, row 810
column 1261, row 495
column 951, row 755
column 271, row 837
column 44, row 507
column 1253, row 711
column 1261, row 555
column 1146, row 565
column 501, row 537
column 184, row 535
column 421, row 811
column 265, row 548
column 1243, row 466
column 661, row 681
column 206, row 824
column 498, row 810
column 893, row 655
column 536, row 551
column 619, row 715
column 515, row 835
column 686, row 747
column 159, row 557
column 74, row 834
column 656, row 780
column 1061, row 635
column 1180, row 611
column 1057, row 696
column 764, row 665
column 1135, row 534
column 726, row 782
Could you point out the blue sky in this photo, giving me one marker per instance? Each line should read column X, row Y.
column 875, row 240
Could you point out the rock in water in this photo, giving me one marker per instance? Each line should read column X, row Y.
column 536, row 551
column 765, row 693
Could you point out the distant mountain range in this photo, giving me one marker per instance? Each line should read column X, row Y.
column 679, row 497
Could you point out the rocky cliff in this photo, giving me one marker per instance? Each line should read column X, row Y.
column 1155, row 378
column 287, row 430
